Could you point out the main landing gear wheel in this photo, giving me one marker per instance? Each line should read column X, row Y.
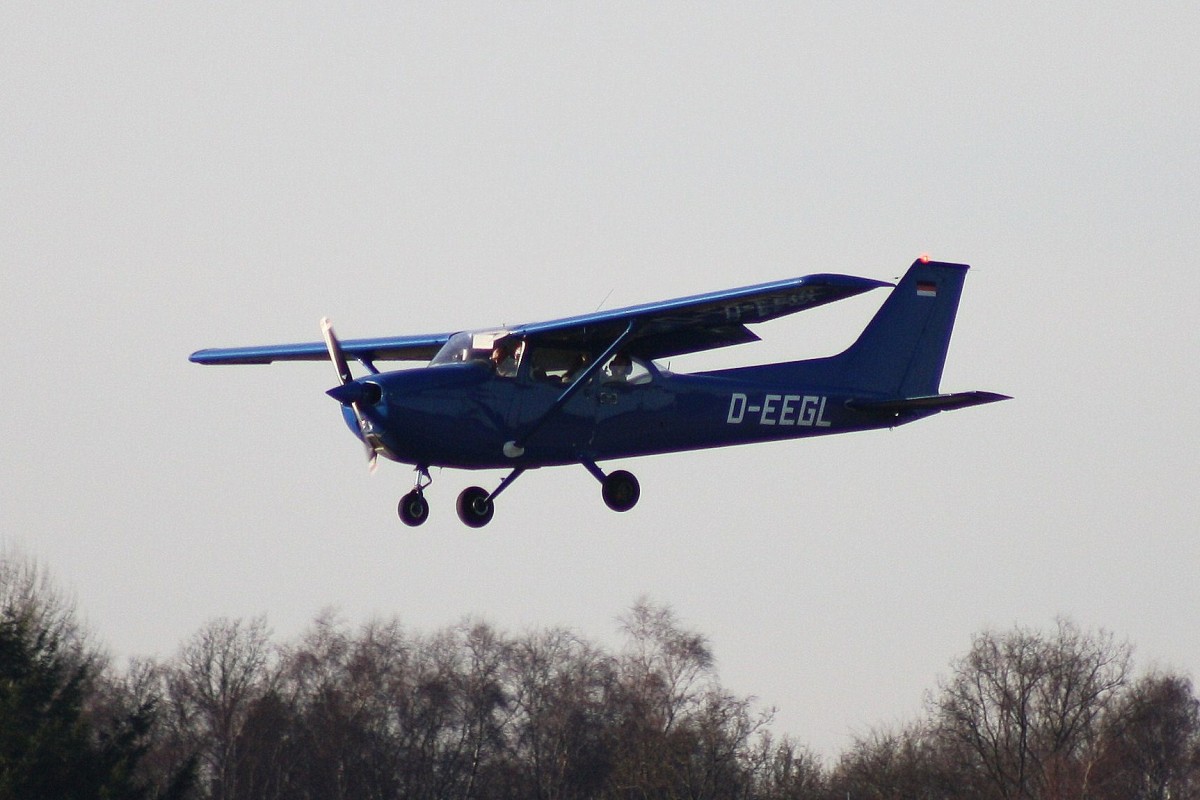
column 413, row 508
column 620, row 490
column 475, row 508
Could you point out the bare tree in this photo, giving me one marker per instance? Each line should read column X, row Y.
column 212, row 687
column 722, row 732
column 895, row 765
column 663, row 672
column 785, row 770
column 666, row 664
column 1151, row 742
column 1020, row 713
column 560, row 688
column 485, row 710
column 336, row 698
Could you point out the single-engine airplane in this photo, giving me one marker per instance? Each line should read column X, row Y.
column 588, row 388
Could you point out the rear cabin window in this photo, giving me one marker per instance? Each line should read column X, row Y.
column 551, row 365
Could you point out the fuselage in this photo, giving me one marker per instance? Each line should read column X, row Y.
column 463, row 414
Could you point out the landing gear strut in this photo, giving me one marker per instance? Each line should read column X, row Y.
column 476, row 506
column 414, row 508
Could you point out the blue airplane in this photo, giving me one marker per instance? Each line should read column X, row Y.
column 588, row 388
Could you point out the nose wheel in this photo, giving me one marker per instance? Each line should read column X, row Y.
column 414, row 508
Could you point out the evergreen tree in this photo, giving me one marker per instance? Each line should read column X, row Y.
column 51, row 746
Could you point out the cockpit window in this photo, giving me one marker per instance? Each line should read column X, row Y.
column 457, row 350
column 467, row 346
column 495, row 346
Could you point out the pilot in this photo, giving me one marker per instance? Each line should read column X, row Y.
column 504, row 357
column 619, row 368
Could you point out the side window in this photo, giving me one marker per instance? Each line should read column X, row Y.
column 621, row 369
column 555, row 366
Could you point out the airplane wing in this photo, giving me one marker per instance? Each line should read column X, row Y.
column 700, row 322
column 659, row 330
column 390, row 348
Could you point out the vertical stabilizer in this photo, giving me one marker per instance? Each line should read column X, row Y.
column 902, row 351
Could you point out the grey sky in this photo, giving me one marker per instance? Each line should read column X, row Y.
column 188, row 175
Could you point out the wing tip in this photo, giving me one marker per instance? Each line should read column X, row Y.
column 215, row 356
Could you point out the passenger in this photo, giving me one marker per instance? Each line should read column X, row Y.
column 577, row 365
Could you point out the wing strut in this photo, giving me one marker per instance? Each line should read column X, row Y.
column 516, row 448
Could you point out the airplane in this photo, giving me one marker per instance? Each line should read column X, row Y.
column 591, row 388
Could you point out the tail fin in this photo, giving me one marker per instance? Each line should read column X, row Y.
column 902, row 351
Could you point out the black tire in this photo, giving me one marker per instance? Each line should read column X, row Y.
column 621, row 490
column 474, row 507
column 413, row 509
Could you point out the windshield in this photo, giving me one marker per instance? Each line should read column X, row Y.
column 466, row 346
column 497, row 347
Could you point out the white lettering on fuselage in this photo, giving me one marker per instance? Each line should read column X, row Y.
column 788, row 410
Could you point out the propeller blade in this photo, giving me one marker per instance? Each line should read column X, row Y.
column 335, row 351
column 371, row 440
column 350, row 393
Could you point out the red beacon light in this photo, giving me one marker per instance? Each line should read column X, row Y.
column 923, row 258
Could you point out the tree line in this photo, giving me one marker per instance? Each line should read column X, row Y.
column 378, row 711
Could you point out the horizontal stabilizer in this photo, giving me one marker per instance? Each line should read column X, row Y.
column 937, row 402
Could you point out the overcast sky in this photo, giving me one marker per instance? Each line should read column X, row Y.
column 186, row 175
